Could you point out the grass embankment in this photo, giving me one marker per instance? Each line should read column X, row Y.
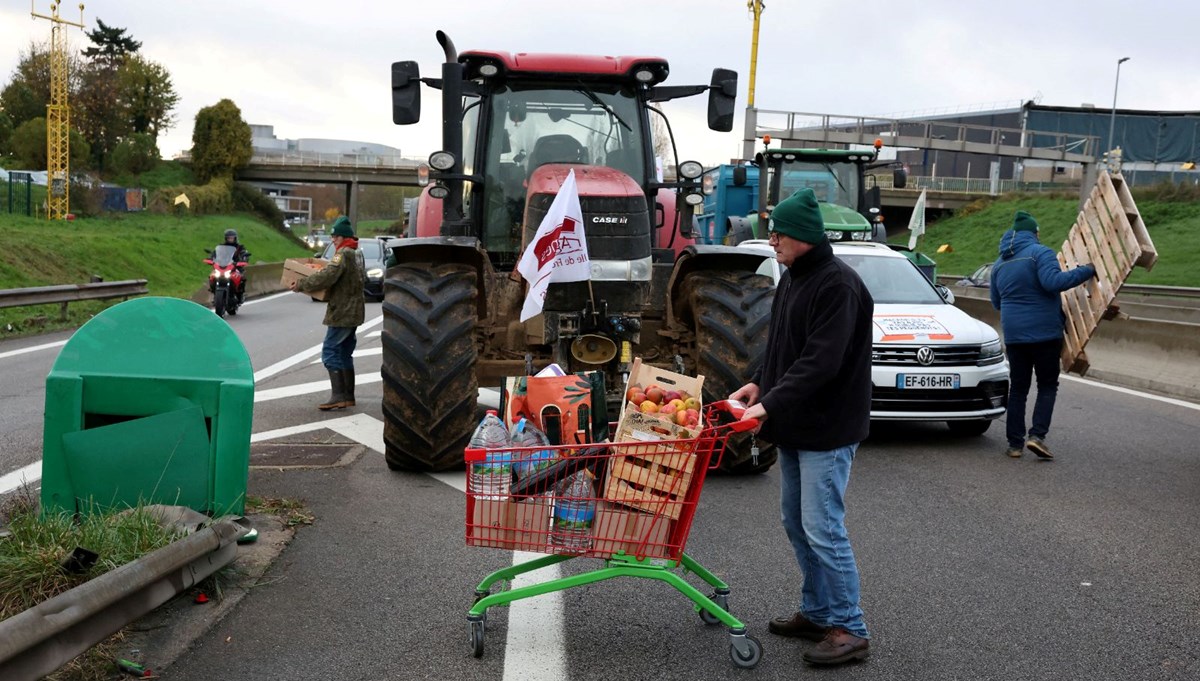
column 974, row 234
column 166, row 251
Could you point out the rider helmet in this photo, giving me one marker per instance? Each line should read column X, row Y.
column 231, row 233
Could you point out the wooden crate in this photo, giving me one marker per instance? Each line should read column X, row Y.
column 652, row 477
column 1108, row 233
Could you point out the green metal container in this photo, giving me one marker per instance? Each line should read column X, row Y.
column 150, row 402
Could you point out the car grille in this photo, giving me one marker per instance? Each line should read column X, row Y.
column 943, row 355
column 987, row 395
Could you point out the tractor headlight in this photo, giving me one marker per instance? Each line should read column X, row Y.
column 441, row 160
column 835, row 235
column 690, row 170
column 693, row 199
column 374, row 273
column 860, row 236
column 439, row 191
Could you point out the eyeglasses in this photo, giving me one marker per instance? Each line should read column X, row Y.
column 773, row 237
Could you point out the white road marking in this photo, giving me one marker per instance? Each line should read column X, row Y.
column 1136, row 393
column 33, row 348
column 535, row 648
column 28, row 474
column 357, row 353
column 307, row 388
column 284, row 364
column 263, row 300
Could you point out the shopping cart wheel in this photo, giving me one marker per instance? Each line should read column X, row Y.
column 477, row 631
column 721, row 599
column 745, row 650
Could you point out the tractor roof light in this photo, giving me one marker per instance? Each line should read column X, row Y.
column 690, row 170
column 422, row 174
column 439, row 191
column 878, row 143
column 644, row 75
column 441, row 160
column 488, row 70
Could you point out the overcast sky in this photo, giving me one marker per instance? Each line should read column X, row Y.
column 322, row 69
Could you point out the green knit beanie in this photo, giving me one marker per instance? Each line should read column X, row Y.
column 799, row 216
column 1024, row 222
column 342, row 228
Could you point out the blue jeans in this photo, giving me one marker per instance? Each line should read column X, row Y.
column 1024, row 361
column 337, row 353
column 814, row 515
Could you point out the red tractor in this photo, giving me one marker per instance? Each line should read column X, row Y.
column 514, row 126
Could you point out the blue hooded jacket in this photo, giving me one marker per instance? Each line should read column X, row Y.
column 1025, row 287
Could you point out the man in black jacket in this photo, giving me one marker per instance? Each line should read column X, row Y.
column 813, row 396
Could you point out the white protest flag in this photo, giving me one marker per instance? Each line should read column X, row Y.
column 916, row 224
column 558, row 251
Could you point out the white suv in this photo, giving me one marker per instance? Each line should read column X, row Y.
column 930, row 361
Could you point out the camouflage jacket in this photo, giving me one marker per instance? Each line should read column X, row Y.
column 343, row 278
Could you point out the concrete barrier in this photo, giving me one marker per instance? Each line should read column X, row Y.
column 1159, row 356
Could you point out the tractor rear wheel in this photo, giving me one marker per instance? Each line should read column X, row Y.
column 730, row 315
column 430, row 390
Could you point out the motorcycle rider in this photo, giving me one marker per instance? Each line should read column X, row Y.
column 240, row 254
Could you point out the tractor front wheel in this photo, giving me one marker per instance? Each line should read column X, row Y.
column 430, row 390
column 730, row 313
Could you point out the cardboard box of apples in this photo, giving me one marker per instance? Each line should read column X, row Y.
column 665, row 395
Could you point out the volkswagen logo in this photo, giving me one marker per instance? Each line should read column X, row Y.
column 925, row 356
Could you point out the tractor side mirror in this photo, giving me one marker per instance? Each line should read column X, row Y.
column 899, row 178
column 722, row 98
column 739, row 176
column 406, row 92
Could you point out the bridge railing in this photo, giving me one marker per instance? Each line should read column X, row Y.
column 314, row 159
column 972, row 185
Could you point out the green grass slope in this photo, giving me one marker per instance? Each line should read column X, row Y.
column 166, row 251
column 974, row 235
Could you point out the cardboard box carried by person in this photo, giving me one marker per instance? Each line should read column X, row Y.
column 298, row 269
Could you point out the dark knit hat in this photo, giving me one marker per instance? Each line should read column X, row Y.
column 342, row 228
column 799, row 216
column 1024, row 222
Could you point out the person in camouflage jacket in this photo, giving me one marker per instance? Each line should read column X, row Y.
column 343, row 278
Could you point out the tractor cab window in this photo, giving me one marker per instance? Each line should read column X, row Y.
column 835, row 183
column 534, row 125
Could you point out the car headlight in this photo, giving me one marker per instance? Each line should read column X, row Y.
column 835, row 235
column 375, row 272
column 991, row 353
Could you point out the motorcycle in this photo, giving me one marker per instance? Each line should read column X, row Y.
column 226, row 282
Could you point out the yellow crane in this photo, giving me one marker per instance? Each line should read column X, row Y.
column 58, row 116
column 757, row 7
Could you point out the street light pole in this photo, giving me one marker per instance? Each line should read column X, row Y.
column 1112, row 121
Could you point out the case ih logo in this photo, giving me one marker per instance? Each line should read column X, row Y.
column 609, row 220
column 562, row 239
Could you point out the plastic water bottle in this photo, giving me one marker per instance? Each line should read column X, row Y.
column 574, row 513
column 492, row 477
column 526, row 434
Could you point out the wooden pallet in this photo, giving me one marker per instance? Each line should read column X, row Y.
column 652, row 478
column 1108, row 233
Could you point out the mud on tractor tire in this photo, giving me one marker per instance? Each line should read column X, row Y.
column 430, row 390
column 730, row 313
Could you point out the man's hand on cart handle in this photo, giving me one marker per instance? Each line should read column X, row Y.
column 755, row 412
column 747, row 394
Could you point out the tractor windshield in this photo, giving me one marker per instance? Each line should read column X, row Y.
column 532, row 125
column 833, row 182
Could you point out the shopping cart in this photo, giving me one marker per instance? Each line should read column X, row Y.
column 644, row 495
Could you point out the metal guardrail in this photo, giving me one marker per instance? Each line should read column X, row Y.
column 313, row 159
column 70, row 293
column 971, row 185
column 37, row 641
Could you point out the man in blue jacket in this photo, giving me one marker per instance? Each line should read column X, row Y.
column 1026, row 288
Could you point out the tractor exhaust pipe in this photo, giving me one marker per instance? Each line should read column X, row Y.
column 453, row 221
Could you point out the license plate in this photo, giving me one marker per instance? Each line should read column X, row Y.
column 928, row 381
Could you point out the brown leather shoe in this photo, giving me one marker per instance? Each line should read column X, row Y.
column 838, row 647
column 797, row 626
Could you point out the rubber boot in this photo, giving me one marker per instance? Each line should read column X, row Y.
column 348, row 387
column 337, row 399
